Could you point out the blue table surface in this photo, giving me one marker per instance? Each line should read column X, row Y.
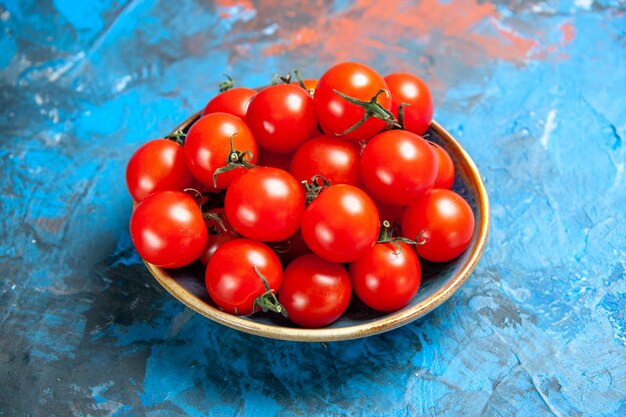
column 535, row 91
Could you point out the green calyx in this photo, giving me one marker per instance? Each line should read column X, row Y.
column 267, row 301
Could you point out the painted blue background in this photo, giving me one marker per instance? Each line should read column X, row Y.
column 535, row 91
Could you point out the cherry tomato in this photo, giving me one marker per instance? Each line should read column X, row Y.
column 398, row 167
column 158, row 165
column 218, row 234
column 282, row 117
column 232, row 280
column 335, row 159
column 411, row 90
column 273, row 159
column 442, row 223
column 168, row 230
column 445, row 168
column 315, row 292
column 341, row 223
column 387, row 277
column 234, row 101
column 336, row 114
column 207, row 147
column 265, row 204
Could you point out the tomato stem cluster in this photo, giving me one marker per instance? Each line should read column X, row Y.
column 179, row 137
column 318, row 183
column 226, row 84
column 267, row 300
column 386, row 236
column 372, row 109
column 235, row 159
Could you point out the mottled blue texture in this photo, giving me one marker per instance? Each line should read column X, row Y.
column 534, row 91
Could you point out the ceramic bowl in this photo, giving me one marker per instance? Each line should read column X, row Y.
column 439, row 280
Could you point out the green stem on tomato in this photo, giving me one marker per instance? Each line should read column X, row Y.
column 235, row 159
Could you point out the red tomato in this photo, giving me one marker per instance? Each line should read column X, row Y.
column 336, row 114
column 315, row 292
column 442, row 221
column 234, row 101
column 341, row 223
column 265, row 204
column 232, row 280
column 445, row 168
column 335, row 159
column 398, row 167
column 273, row 159
column 282, row 117
column 409, row 89
column 217, row 235
column 387, row 277
column 168, row 230
column 207, row 147
column 158, row 165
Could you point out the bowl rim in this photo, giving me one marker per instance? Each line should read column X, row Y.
column 380, row 325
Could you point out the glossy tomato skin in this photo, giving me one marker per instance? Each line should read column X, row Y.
column 158, row 165
column 234, row 101
column 386, row 278
column 341, row 223
column 442, row 221
column 412, row 90
column 336, row 115
column 167, row 229
column 314, row 291
column 231, row 279
column 217, row 236
column 282, row 117
column 398, row 167
column 265, row 204
column 335, row 159
column 445, row 168
column 207, row 147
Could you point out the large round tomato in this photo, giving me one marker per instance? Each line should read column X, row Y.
column 282, row 117
column 207, row 147
column 336, row 114
column 233, row 276
column 158, row 165
column 445, row 168
column 398, row 167
column 442, row 223
column 387, row 277
column 314, row 291
column 265, row 204
column 168, row 230
column 220, row 232
column 335, row 159
column 341, row 223
column 234, row 101
column 411, row 90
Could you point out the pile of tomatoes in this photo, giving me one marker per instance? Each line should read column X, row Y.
column 296, row 195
